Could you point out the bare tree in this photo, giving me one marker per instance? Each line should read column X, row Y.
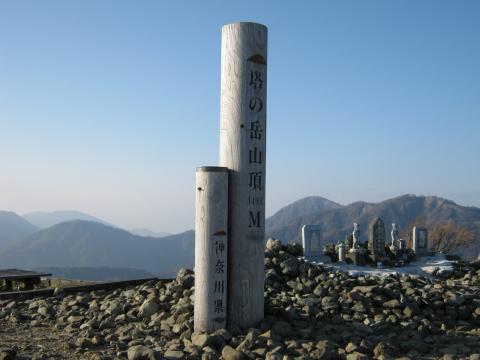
column 449, row 236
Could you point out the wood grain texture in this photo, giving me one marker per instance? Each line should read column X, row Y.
column 211, row 226
column 242, row 150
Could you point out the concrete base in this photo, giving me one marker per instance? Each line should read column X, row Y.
column 357, row 257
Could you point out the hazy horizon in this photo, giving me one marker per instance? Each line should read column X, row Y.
column 133, row 228
column 108, row 107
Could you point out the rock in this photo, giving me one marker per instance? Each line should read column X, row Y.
column 82, row 342
column 273, row 245
column 282, row 328
column 174, row 354
column 44, row 311
column 140, row 352
column 229, row 353
column 8, row 354
column 351, row 347
column 357, row 356
column 290, row 266
column 185, row 278
column 330, row 303
column 200, row 340
column 392, row 304
column 326, row 350
column 149, row 307
column 384, row 349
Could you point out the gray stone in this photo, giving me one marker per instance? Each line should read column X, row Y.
column 312, row 242
column 149, row 307
column 282, row 328
column 273, row 245
column 8, row 354
column 420, row 241
column 229, row 353
column 290, row 266
column 200, row 340
column 376, row 239
column 174, row 354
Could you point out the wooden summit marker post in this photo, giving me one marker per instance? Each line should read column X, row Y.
column 242, row 150
column 211, row 225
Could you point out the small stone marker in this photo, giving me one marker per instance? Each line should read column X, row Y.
column 341, row 252
column 312, row 242
column 211, row 226
column 376, row 239
column 420, row 241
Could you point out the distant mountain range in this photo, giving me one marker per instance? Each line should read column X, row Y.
column 302, row 207
column 337, row 221
column 82, row 243
column 13, row 228
column 75, row 247
column 149, row 233
column 44, row 220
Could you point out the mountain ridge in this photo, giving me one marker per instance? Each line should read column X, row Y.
column 46, row 219
column 81, row 243
column 430, row 211
column 13, row 228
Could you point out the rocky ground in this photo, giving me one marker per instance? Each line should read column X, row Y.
column 311, row 313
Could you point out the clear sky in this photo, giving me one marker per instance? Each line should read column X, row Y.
column 107, row 107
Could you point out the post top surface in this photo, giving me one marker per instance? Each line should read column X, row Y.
column 212, row 168
column 244, row 23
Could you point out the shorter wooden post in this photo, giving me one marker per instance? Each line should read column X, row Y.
column 211, row 226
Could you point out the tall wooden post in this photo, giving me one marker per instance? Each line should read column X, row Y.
column 211, row 226
column 242, row 150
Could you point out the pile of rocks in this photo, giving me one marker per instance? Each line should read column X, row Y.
column 310, row 313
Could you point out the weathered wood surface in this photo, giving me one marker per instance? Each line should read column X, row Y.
column 17, row 274
column 211, row 226
column 242, row 150
column 111, row 285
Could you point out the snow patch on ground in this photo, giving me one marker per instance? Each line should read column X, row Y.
column 424, row 266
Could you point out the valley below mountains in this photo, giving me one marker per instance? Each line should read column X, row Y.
column 95, row 250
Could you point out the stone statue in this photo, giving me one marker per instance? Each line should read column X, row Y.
column 356, row 236
column 394, row 234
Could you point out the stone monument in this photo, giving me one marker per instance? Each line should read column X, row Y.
column 312, row 242
column 355, row 236
column 376, row 240
column 394, row 235
column 356, row 254
column 420, row 241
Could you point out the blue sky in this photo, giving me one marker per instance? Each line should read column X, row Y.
column 108, row 106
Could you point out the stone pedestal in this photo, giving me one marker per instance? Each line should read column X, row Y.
column 356, row 256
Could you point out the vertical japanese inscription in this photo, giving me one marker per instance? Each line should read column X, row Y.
column 218, row 270
column 242, row 150
column 211, row 247
column 256, row 146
